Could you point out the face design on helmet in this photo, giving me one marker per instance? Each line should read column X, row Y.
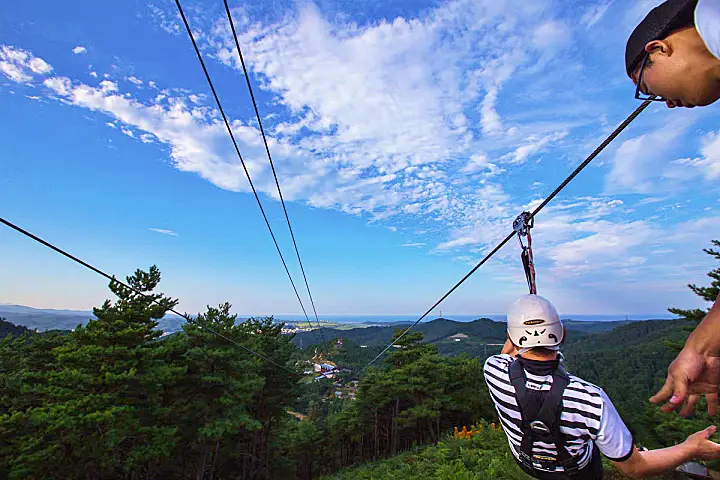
column 537, row 333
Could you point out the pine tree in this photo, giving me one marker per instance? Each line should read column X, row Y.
column 270, row 402
column 106, row 415
column 212, row 404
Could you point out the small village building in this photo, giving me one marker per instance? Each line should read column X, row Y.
column 458, row 337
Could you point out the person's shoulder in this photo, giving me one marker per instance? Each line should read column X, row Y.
column 501, row 361
column 707, row 23
column 578, row 384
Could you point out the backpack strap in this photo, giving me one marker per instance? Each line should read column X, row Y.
column 518, row 380
column 544, row 425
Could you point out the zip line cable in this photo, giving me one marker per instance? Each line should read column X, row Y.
column 242, row 160
column 272, row 164
column 531, row 216
column 147, row 297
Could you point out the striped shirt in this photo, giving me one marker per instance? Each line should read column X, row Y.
column 587, row 417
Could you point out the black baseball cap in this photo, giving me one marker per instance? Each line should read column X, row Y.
column 660, row 22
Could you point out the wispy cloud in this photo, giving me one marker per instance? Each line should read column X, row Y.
column 163, row 231
column 79, row 50
column 595, row 13
column 412, row 245
column 641, row 162
column 20, row 66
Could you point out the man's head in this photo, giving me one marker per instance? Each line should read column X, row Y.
column 533, row 322
column 665, row 56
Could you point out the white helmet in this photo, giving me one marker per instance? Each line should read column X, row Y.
column 534, row 322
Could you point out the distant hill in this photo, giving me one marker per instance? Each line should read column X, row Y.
column 630, row 362
column 595, row 327
column 479, row 331
column 42, row 319
column 438, row 332
column 7, row 328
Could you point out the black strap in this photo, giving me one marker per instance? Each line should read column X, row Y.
column 548, row 414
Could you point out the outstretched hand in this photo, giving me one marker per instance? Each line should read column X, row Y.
column 700, row 445
column 691, row 375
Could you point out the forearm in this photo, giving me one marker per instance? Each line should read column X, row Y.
column 706, row 337
column 656, row 462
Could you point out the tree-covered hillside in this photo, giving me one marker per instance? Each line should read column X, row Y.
column 224, row 399
column 7, row 328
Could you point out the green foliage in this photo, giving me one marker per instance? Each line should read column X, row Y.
column 7, row 328
column 485, row 456
column 709, row 294
column 114, row 400
column 110, row 401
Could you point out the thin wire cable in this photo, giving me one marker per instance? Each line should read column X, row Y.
column 574, row 174
column 237, row 150
column 153, row 300
column 272, row 164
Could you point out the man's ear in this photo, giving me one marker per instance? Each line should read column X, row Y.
column 662, row 47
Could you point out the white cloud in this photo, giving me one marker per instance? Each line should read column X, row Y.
column 163, row 231
column 134, row 80
column 169, row 25
column 39, row 66
column 481, row 163
column 639, row 163
column 708, row 165
column 595, row 13
column 79, row 50
column 413, row 244
column 551, row 35
column 108, row 86
column 607, row 244
column 534, row 144
column 490, row 119
column 14, row 73
column 20, row 66
column 60, row 85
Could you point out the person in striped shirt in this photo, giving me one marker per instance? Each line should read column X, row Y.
column 557, row 424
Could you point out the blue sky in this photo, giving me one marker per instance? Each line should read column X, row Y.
column 407, row 136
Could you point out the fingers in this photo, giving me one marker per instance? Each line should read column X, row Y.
column 676, row 391
column 710, row 431
column 665, row 392
column 712, row 401
column 680, row 390
column 689, row 407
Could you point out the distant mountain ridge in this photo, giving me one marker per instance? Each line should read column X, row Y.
column 11, row 308
column 49, row 319
column 366, row 332
column 480, row 332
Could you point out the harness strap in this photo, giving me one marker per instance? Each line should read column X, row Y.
column 545, row 424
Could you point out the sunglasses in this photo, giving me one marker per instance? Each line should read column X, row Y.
column 638, row 93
